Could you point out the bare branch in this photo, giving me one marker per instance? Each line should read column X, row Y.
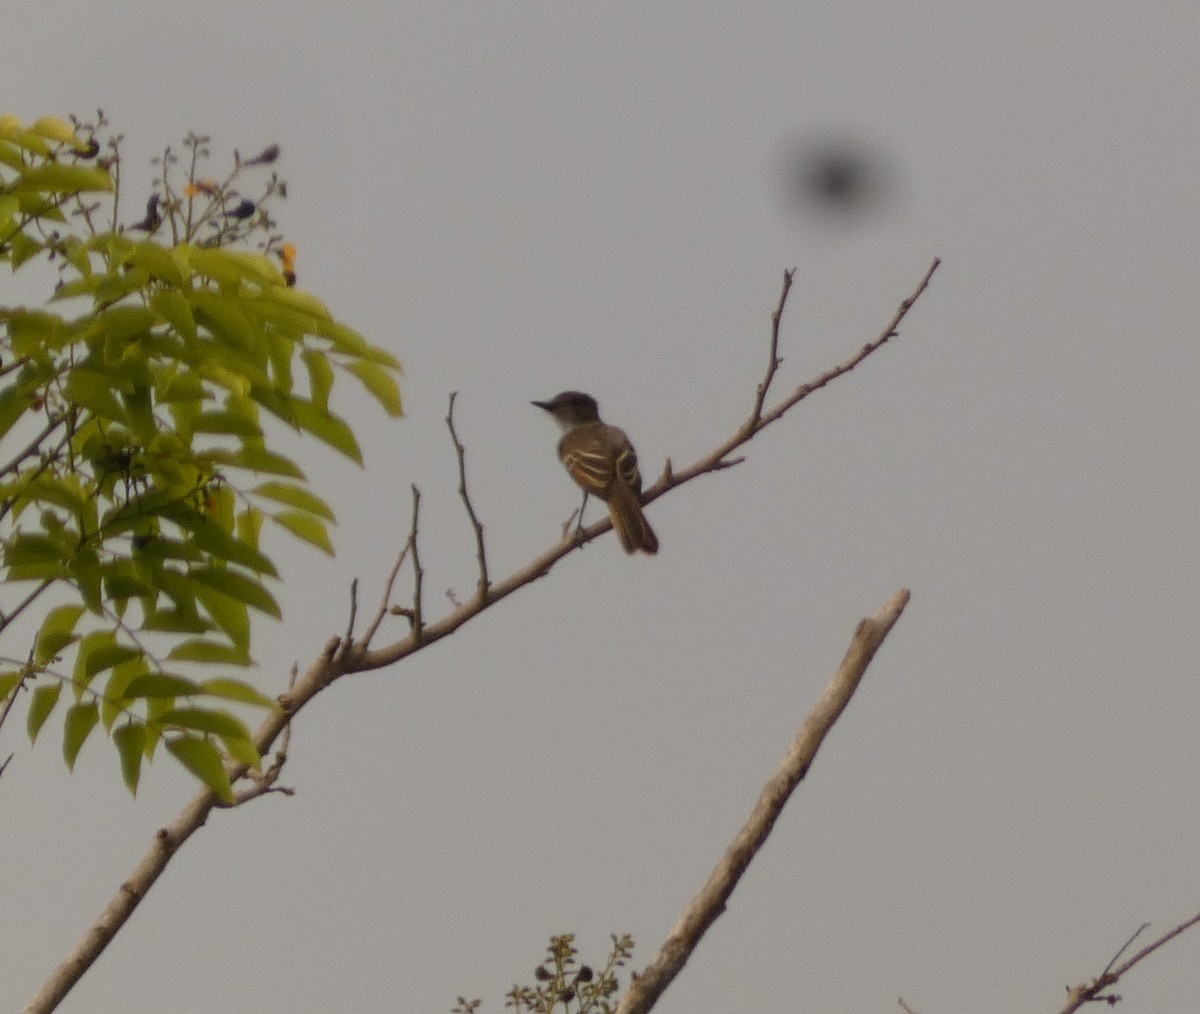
column 710, row 902
column 715, row 460
column 481, row 552
column 1092, row 992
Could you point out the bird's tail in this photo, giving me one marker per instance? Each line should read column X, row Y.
column 631, row 525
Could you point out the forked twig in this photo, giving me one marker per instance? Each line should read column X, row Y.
column 774, row 362
column 461, row 452
column 1092, row 992
column 416, row 620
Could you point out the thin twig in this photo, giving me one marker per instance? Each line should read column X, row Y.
column 481, row 552
column 349, row 638
column 904, row 1007
column 710, row 902
column 29, row 599
column 387, row 588
column 265, row 782
column 774, row 362
column 418, row 573
column 34, row 445
column 1092, row 992
column 5, row 764
column 1125, row 946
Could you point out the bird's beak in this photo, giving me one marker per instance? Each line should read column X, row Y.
column 542, row 405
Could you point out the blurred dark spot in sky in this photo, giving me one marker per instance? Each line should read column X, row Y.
column 837, row 175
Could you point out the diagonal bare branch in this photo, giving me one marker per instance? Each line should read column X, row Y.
column 708, row 905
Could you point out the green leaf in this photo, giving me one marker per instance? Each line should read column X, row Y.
column 243, row 750
column 230, row 615
column 255, row 459
column 320, row 376
column 327, row 427
column 222, row 723
column 15, row 401
column 56, row 632
column 175, row 309
column 226, row 422
column 23, row 247
column 114, row 702
column 197, row 649
column 210, row 537
column 35, row 331
column 10, row 679
column 80, row 721
column 98, row 651
column 231, row 267
column 381, row 383
column 249, row 526
column 122, row 324
column 61, row 178
column 94, row 391
column 220, row 314
column 295, row 496
column 306, row 527
column 203, row 760
column 159, row 262
column 130, row 739
column 161, row 685
column 236, row 690
column 41, row 703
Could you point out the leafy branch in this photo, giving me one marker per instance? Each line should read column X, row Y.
column 343, row 655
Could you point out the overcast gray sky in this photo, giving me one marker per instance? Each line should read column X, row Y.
column 518, row 198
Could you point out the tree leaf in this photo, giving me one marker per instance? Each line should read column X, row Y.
column 236, row 690
column 202, row 759
column 56, row 632
column 41, row 703
column 161, row 685
column 10, row 679
column 112, row 704
column 243, row 750
column 326, row 426
column 60, row 178
column 222, row 723
column 199, row 650
column 306, row 527
column 320, row 377
column 237, row 586
column 295, row 496
column 381, row 383
column 80, row 721
column 228, row 614
column 130, row 740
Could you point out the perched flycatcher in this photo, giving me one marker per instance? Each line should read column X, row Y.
column 602, row 462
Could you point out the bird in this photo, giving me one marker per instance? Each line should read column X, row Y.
column 602, row 461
